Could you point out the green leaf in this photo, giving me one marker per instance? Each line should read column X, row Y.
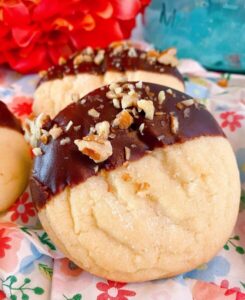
column 44, row 239
column 25, row 297
column 38, row 291
column 243, row 284
column 27, row 280
column 26, row 230
column 13, row 279
column 240, row 250
column 226, row 247
column 77, row 297
column 13, row 297
column 45, row 270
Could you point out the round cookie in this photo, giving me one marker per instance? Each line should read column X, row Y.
column 15, row 160
column 92, row 68
column 134, row 182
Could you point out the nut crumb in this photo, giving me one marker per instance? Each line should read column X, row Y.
column 68, row 126
column 112, row 135
column 148, row 107
column 96, row 169
column 132, row 52
column 65, row 141
column 77, row 128
column 161, row 97
column 139, row 84
column 95, row 147
column 99, row 58
column 61, row 61
column 123, row 120
column 159, row 113
column 127, row 153
column 103, row 129
column 188, row 102
column 161, row 137
column 55, row 132
column 141, row 128
column 37, row 151
column 187, row 113
column 169, row 91
column 111, row 94
column 174, row 123
column 116, row 103
column 93, row 113
column 168, row 57
column 129, row 100
column 83, row 101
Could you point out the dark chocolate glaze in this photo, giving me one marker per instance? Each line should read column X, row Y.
column 120, row 62
column 63, row 165
column 7, row 119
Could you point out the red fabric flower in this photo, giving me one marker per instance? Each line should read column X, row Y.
column 67, row 267
column 21, row 106
column 230, row 291
column 4, row 242
column 22, row 209
column 2, row 295
column 231, row 120
column 34, row 34
column 113, row 291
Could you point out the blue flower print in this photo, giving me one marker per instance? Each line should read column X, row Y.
column 217, row 267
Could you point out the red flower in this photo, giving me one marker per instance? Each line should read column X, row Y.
column 34, row 34
column 113, row 291
column 22, row 209
column 67, row 267
column 4, row 243
column 21, row 106
column 231, row 119
column 2, row 295
column 239, row 295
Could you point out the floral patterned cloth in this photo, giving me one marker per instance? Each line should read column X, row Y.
column 31, row 267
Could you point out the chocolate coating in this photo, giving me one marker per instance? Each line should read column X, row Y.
column 120, row 62
column 7, row 119
column 63, row 165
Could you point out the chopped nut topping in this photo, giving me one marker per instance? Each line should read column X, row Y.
column 88, row 51
column 168, row 57
column 33, row 129
column 116, row 103
column 112, row 135
column 68, row 126
column 55, row 132
column 96, row 169
column 132, row 52
column 95, row 147
column 161, row 97
column 65, row 141
column 169, row 91
column 159, row 113
column 42, row 73
column 44, row 138
column 99, row 57
column 141, row 128
column 188, row 102
column 118, row 90
column 77, row 128
column 61, row 61
column 127, row 153
column 103, row 129
column 187, row 113
column 83, row 101
column 139, row 84
column 148, row 107
column 160, row 137
column 93, row 113
column 123, row 120
column 87, row 58
column 113, row 86
column 111, row 94
column 78, row 59
column 129, row 100
column 37, row 151
column 174, row 123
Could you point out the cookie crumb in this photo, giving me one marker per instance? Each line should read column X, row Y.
column 37, row 151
